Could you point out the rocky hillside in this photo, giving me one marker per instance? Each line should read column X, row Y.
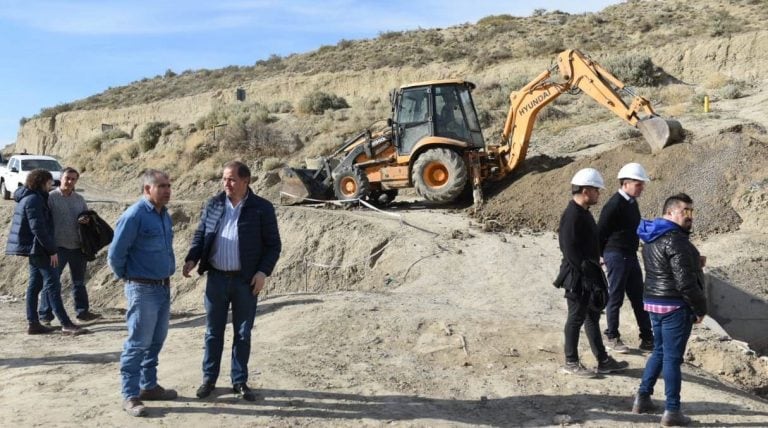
column 188, row 123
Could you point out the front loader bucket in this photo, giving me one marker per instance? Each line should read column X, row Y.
column 296, row 185
column 660, row 133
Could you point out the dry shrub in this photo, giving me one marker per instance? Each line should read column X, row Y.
column 675, row 110
column 270, row 163
column 716, row 81
column 675, row 94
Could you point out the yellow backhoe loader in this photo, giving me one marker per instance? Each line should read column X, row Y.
column 434, row 143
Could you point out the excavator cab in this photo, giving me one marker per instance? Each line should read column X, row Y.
column 435, row 109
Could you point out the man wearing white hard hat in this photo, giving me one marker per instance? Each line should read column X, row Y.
column 617, row 228
column 580, row 275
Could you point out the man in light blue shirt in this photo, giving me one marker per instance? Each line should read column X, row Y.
column 141, row 254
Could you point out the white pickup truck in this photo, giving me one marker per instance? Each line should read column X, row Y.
column 14, row 173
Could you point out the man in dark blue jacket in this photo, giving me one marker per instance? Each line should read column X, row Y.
column 238, row 243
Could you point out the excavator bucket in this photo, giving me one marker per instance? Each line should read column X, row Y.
column 660, row 133
column 296, row 185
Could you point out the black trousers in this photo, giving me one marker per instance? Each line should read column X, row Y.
column 579, row 314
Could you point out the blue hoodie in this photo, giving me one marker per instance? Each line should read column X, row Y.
column 650, row 230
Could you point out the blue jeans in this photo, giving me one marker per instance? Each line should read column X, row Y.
column 43, row 277
column 149, row 308
column 76, row 261
column 670, row 336
column 625, row 276
column 221, row 291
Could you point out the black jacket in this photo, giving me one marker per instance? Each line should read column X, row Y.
column 31, row 231
column 94, row 235
column 258, row 235
column 617, row 226
column 673, row 271
column 578, row 240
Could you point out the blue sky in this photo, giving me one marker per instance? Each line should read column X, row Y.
column 56, row 51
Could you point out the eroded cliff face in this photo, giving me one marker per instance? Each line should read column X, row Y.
column 743, row 56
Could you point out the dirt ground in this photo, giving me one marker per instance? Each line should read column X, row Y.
column 448, row 326
column 422, row 316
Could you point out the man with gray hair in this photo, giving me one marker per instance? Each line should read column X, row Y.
column 141, row 254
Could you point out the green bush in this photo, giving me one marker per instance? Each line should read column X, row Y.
column 96, row 142
column 150, row 135
column 317, row 102
column 730, row 92
column 635, row 70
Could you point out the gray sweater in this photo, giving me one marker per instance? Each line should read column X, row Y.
column 65, row 210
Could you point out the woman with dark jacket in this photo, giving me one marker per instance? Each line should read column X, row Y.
column 31, row 236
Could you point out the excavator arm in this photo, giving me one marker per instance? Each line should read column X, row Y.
column 576, row 71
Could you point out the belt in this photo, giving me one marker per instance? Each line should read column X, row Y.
column 147, row 281
column 227, row 273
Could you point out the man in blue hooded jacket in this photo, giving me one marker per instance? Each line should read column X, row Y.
column 674, row 298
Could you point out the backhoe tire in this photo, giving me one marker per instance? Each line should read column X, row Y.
column 383, row 198
column 4, row 191
column 439, row 175
column 351, row 184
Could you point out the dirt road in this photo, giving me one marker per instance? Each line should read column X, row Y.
column 450, row 326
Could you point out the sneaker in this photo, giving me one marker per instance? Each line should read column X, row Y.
column 244, row 392
column 616, row 345
column 577, row 369
column 88, row 316
column 674, row 419
column 38, row 328
column 646, row 345
column 205, row 390
column 610, row 365
column 158, row 393
column 134, row 407
column 73, row 330
column 643, row 404
column 46, row 322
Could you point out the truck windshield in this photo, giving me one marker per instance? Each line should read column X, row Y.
column 47, row 164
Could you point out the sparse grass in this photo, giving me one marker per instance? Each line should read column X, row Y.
column 270, row 163
column 674, row 94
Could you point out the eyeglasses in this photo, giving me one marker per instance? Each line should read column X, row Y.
column 687, row 212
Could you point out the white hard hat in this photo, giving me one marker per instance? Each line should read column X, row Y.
column 588, row 177
column 633, row 171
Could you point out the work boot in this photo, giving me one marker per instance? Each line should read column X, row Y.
column 158, row 393
column 616, row 345
column 36, row 328
column 646, row 345
column 88, row 316
column 643, row 404
column 205, row 390
column 674, row 419
column 73, row 330
column 242, row 391
column 610, row 365
column 134, row 407
column 577, row 369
